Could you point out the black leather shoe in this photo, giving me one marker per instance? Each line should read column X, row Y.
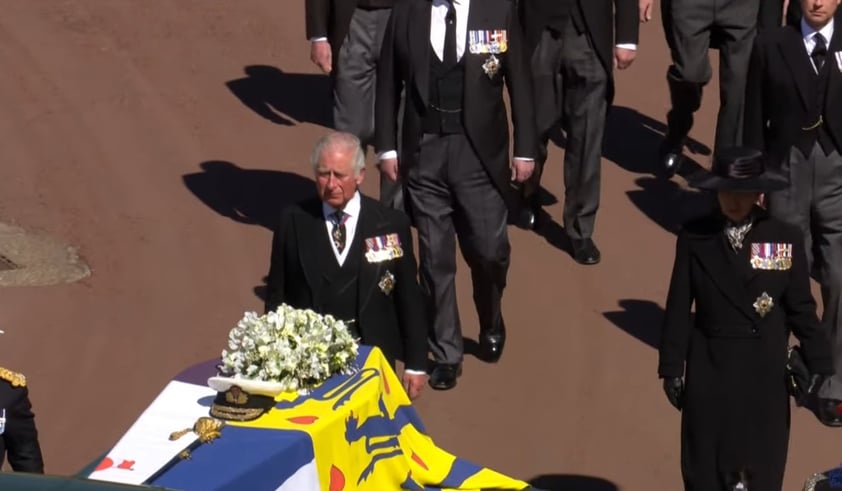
column 491, row 346
column 585, row 251
column 829, row 412
column 444, row 375
column 526, row 218
column 670, row 157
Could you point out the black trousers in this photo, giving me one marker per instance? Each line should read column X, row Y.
column 452, row 196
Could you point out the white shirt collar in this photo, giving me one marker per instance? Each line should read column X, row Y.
column 352, row 208
column 807, row 32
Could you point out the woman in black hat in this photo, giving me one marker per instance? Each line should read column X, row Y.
column 726, row 369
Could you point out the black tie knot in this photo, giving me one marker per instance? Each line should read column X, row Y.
column 819, row 51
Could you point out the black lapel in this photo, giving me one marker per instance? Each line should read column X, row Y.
column 834, row 85
column 719, row 262
column 308, row 230
column 800, row 66
column 368, row 226
column 419, row 46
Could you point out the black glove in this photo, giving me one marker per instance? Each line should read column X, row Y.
column 674, row 389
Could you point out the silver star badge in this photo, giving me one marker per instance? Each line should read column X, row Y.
column 763, row 304
column 387, row 282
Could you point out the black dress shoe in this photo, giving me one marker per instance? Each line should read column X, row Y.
column 585, row 251
column 526, row 219
column 444, row 375
column 491, row 346
column 670, row 157
column 829, row 412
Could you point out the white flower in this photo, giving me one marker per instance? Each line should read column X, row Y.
column 297, row 348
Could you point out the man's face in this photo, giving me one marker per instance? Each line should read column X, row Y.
column 335, row 179
column 818, row 13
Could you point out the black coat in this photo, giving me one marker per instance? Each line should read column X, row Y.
column 405, row 62
column 608, row 23
column 19, row 439
column 394, row 322
column 736, row 405
column 330, row 19
column 780, row 91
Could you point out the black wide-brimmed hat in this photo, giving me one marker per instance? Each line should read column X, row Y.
column 738, row 169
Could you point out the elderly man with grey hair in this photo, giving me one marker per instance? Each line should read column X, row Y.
column 347, row 255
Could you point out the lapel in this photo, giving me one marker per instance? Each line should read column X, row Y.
column 368, row 226
column 793, row 51
column 834, row 87
column 419, row 46
column 720, row 263
column 310, row 230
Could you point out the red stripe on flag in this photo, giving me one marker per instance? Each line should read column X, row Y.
column 418, row 461
column 303, row 420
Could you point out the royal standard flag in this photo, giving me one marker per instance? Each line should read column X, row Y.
column 354, row 432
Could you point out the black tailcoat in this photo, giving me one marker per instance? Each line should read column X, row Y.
column 405, row 62
column 736, row 408
column 394, row 322
column 608, row 23
column 780, row 91
column 19, row 439
column 330, row 19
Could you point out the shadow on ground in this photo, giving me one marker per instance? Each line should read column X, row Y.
column 570, row 482
column 285, row 98
column 249, row 196
column 641, row 319
column 632, row 140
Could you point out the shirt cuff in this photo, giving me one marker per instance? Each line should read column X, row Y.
column 415, row 372
column 630, row 46
column 317, row 39
column 389, row 154
column 522, row 158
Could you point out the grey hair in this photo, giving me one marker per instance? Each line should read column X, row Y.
column 341, row 141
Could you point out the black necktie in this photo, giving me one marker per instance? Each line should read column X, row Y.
column 449, row 57
column 338, row 232
column 819, row 51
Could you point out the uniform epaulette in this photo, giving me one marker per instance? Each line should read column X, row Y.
column 14, row 378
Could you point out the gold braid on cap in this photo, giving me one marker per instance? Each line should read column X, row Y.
column 14, row 378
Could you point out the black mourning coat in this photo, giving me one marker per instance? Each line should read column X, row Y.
column 330, row 19
column 608, row 23
column 19, row 440
column 780, row 91
column 394, row 322
column 405, row 63
column 736, row 409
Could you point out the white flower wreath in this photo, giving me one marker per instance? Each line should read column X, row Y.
column 294, row 349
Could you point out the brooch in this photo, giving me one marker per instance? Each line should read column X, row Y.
column 491, row 66
column 763, row 304
column 387, row 282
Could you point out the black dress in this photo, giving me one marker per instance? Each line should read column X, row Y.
column 736, row 412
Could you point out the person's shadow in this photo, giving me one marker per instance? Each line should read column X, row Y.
column 254, row 197
column 668, row 204
column 285, row 98
column 565, row 482
column 632, row 140
column 641, row 319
